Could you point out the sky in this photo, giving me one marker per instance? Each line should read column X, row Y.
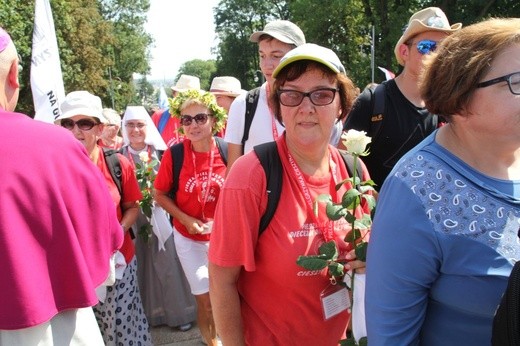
column 183, row 30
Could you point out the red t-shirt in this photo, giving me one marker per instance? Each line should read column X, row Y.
column 191, row 186
column 170, row 133
column 131, row 193
column 272, row 284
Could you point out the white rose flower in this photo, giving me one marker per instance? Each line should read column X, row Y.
column 356, row 142
column 143, row 156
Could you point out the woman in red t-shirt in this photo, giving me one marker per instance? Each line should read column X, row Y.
column 193, row 205
column 120, row 316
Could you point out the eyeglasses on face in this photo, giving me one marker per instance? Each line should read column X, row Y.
column 426, row 46
column 132, row 126
column 200, row 119
column 512, row 79
column 83, row 124
column 318, row 97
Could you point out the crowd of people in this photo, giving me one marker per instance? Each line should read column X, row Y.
column 117, row 223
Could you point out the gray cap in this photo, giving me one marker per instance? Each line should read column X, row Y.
column 282, row 30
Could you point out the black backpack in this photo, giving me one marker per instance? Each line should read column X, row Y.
column 269, row 158
column 177, row 151
column 251, row 104
column 506, row 324
column 114, row 166
column 377, row 103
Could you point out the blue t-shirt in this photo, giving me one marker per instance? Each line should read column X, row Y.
column 443, row 243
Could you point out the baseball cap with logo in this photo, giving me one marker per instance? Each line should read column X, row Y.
column 282, row 30
column 428, row 19
column 82, row 103
column 186, row 82
column 311, row 51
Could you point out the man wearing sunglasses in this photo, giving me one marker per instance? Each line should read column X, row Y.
column 404, row 121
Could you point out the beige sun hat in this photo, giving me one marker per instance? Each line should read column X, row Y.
column 283, row 30
column 112, row 117
column 186, row 82
column 226, row 86
column 428, row 19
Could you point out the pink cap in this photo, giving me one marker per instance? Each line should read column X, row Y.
column 5, row 39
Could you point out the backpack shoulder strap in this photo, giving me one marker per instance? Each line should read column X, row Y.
column 222, row 148
column 177, row 151
column 506, row 323
column 251, row 104
column 267, row 154
column 349, row 163
column 114, row 166
column 378, row 109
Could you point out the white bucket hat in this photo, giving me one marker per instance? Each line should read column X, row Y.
column 82, row 103
column 226, row 86
column 186, row 82
column 429, row 19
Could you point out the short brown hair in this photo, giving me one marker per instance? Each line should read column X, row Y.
column 347, row 90
column 451, row 74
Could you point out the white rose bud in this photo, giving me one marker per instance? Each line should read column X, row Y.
column 356, row 142
column 143, row 156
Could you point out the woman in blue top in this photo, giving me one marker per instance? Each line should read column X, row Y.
column 445, row 235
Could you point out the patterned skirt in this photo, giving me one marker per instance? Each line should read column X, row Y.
column 121, row 317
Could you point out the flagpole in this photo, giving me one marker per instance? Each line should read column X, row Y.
column 372, row 51
column 46, row 77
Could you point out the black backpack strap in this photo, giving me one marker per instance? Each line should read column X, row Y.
column 251, row 104
column 349, row 163
column 222, row 149
column 177, row 151
column 267, row 154
column 378, row 109
column 114, row 166
column 506, row 323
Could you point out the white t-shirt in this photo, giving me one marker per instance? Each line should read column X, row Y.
column 261, row 130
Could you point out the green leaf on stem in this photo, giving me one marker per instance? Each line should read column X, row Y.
column 335, row 211
column 353, row 235
column 363, row 341
column 351, row 199
column 329, row 249
column 361, row 251
column 315, row 262
column 336, row 269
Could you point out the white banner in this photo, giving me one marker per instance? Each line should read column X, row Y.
column 46, row 78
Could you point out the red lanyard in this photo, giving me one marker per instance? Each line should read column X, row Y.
column 327, row 227
column 273, row 119
column 202, row 194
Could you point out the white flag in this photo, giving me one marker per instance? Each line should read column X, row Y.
column 46, row 78
column 388, row 74
column 163, row 99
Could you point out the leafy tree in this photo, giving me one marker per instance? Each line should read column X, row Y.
column 204, row 69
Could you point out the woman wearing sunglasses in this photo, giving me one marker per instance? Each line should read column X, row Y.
column 404, row 121
column 120, row 316
column 260, row 295
column 193, row 205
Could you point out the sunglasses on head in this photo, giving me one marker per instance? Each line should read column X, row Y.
column 200, row 119
column 83, row 124
column 426, row 46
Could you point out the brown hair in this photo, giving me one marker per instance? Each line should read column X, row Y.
column 451, row 74
column 293, row 71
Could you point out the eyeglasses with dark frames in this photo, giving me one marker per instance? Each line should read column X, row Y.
column 200, row 119
column 83, row 124
column 512, row 79
column 318, row 97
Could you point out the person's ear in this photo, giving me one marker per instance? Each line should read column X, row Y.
column 404, row 52
column 13, row 75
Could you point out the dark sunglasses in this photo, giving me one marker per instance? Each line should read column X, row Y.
column 200, row 119
column 426, row 46
column 83, row 124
